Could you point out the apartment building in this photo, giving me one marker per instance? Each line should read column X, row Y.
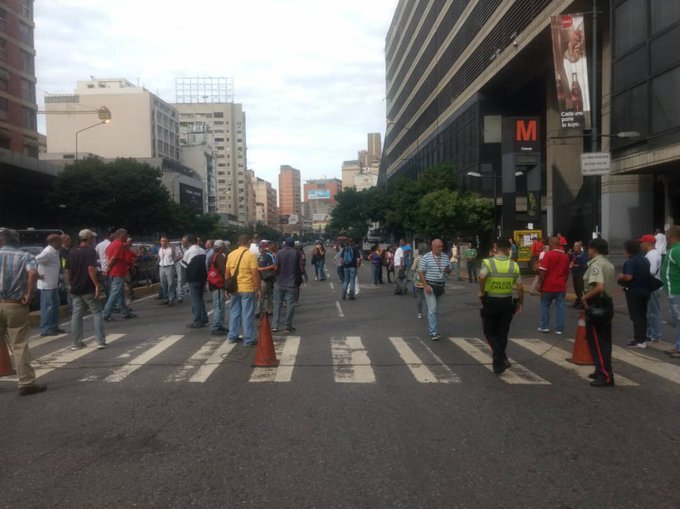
column 265, row 203
column 290, row 190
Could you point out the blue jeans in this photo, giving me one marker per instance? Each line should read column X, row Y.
column 116, row 296
column 243, row 310
column 167, row 275
column 80, row 303
column 348, row 283
column 320, row 272
column 49, row 310
column 376, row 273
column 432, row 303
column 546, row 299
column 180, row 280
column 654, row 316
column 341, row 274
column 197, row 303
column 674, row 301
column 218, row 309
column 281, row 295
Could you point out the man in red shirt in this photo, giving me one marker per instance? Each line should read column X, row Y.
column 117, row 267
column 553, row 275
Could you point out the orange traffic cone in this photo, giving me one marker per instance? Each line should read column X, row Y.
column 5, row 362
column 581, row 354
column 265, row 356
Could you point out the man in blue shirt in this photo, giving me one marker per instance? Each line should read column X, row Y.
column 579, row 263
column 289, row 271
column 635, row 282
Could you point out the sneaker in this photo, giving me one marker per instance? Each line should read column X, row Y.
column 290, row 329
column 108, row 319
column 674, row 355
column 559, row 332
column 195, row 325
column 32, row 388
column 601, row 382
column 77, row 347
column 436, row 336
column 540, row 329
column 102, row 346
column 672, row 351
column 130, row 315
column 219, row 332
column 635, row 344
column 179, row 301
column 420, row 316
column 164, row 303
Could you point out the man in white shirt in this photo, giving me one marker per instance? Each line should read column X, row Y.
column 101, row 254
column 255, row 245
column 648, row 243
column 660, row 243
column 49, row 264
column 399, row 269
column 166, row 271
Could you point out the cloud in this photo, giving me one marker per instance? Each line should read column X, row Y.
column 310, row 74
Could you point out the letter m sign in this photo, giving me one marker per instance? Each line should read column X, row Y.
column 526, row 130
column 525, row 136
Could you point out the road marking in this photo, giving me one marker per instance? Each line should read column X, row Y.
column 43, row 340
column 209, row 366
column 650, row 364
column 479, row 350
column 340, row 313
column 194, row 362
column 286, row 351
column 422, row 373
column 560, row 357
column 136, row 363
column 332, row 286
column 60, row 358
column 350, row 361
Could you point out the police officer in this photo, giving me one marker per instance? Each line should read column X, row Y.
column 599, row 281
column 498, row 276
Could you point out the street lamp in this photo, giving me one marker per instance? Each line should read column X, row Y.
column 495, row 178
column 104, row 115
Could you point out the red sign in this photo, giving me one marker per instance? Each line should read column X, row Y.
column 526, row 130
column 567, row 22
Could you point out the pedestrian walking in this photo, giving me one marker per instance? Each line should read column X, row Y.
column 432, row 269
column 376, row 264
column 351, row 261
column 83, row 281
column 49, row 266
column 419, row 284
column 167, row 272
column 18, row 275
column 498, row 277
column 670, row 275
column 553, row 274
column 470, row 255
column 400, row 268
column 319, row 262
column 243, row 268
column 389, row 264
column 63, row 256
column 661, row 244
column 635, row 282
column 579, row 262
column 288, row 270
column 196, row 277
column 217, row 263
column 598, row 303
column 104, row 280
column 117, row 268
column 338, row 262
column 648, row 246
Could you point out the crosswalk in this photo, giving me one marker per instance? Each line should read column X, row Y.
column 351, row 359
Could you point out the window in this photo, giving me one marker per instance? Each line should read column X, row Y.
column 4, row 79
column 664, row 14
column 3, row 49
column 27, row 90
column 26, row 8
column 666, row 101
column 3, row 16
column 630, row 18
column 218, row 114
column 4, row 106
column 26, row 33
column 27, row 62
column 30, row 119
column 664, row 49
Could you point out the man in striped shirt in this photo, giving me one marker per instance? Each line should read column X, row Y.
column 432, row 271
column 18, row 274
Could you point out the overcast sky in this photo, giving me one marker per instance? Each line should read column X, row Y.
column 310, row 74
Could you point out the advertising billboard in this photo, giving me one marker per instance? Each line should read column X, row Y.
column 571, row 70
column 319, row 194
column 191, row 196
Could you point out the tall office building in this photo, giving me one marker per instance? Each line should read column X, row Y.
column 207, row 111
column 265, row 202
column 319, row 201
column 18, row 108
column 483, row 85
column 142, row 124
column 374, row 152
column 290, row 190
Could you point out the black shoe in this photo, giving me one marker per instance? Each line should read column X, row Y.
column 34, row 388
column 195, row 325
column 351, row 297
column 343, row 296
column 594, row 375
column 52, row 333
column 507, row 364
column 108, row 319
column 164, row 303
column 290, row 329
column 601, row 382
column 219, row 332
column 499, row 368
column 130, row 315
column 59, row 331
column 170, row 304
column 257, row 315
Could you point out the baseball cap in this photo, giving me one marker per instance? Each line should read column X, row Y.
column 86, row 234
column 219, row 244
column 648, row 238
column 263, row 243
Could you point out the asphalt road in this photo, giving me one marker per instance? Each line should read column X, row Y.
column 363, row 412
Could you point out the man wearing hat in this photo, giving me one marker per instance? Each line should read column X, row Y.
column 81, row 276
column 648, row 245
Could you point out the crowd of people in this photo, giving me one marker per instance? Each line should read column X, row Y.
column 259, row 277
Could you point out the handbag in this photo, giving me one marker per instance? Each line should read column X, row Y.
column 600, row 308
column 214, row 277
column 437, row 288
column 231, row 282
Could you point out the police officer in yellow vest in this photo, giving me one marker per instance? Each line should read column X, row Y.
column 498, row 277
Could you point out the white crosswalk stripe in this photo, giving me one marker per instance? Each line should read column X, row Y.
column 560, row 358
column 420, row 371
column 480, row 351
column 351, row 363
column 208, row 368
column 194, row 362
column 38, row 340
column 132, row 366
column 286, row 352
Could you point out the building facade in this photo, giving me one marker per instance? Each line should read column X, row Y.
column 142, row 124
column 223, row 126
column 18, row 108
column 290, row 202
column 319, row 201
column 200, row 158
column 468, row 82
column 265, row 202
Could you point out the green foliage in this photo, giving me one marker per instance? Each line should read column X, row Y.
column 354, row 211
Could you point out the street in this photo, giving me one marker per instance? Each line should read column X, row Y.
column 364, row 411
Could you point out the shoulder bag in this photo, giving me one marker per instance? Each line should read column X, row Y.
column 231, row 282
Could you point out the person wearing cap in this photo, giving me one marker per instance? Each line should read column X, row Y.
column 648, row 245
column 81, row 276
column 48, row 284
column 18, row 274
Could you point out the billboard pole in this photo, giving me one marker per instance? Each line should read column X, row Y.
column 596, row 196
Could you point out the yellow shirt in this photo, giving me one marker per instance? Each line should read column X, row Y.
column 246, row 281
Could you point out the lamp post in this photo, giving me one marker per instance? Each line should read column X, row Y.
column 104, row 115
column 495, row 178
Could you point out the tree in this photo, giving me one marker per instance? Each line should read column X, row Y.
column 447, row 213
column 354, row 211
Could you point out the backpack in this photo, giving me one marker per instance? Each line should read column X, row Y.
column 348, row 257
column 407, row 258
column 214, row 277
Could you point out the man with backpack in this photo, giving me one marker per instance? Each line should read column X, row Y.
column 351, row 261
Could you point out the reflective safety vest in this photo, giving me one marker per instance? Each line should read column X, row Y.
column 501, row 277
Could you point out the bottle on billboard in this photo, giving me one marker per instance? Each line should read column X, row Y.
column 576, row 95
